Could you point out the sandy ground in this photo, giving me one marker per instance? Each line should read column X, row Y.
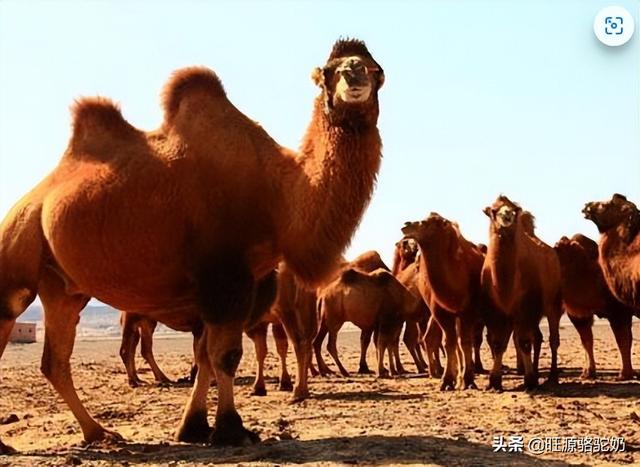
column 360, row 419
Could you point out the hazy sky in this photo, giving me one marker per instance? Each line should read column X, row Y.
column 481, row 97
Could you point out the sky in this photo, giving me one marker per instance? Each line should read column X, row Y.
column 480, row 98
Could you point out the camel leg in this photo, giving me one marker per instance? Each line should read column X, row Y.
column 332, row 347
column 381, row 341
column 61, row 315
column 365, row 340
column 282, row 346
column 147, row 327
column 620, row 322
column 498, row 334
column 301, row 326
column 583, row 326
column 525, row 337
column 258, row 334
column 447, row 322
column 554, row 342
column 467, row 334
column 394, row 349
column 130, row 339
column 194, row 427
column 477, row 344
column 433, row 341
column 537, row 346
column 317, row 349
column 519, row 363
column 411, row 339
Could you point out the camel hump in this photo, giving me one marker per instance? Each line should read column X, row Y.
column 186, row 82
column 529, row 223
column 96, row 121
column 589, row 246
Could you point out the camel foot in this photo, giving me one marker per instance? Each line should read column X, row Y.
column 495, row 383
column 299, row 395
column 286, row 385
column 530, row 382
column 588, row 373
column 625, row 375
column 313, row 371
column 103, row 437
column 553, row 377
column 259, row 391
column 469, row 385
column 364, row 370
column 384, row 373
column 6, row 450
column 135, row 383
column 195, row 430
column 344, row 373
column 326, row 372
column 448, row 383
column 165, row 383
column 230, row 432
column 437, row 372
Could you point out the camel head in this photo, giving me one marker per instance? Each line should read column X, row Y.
column 503, row 213
column 607, row 215
column 408, row 248
column 433, row 229
column 349, row 81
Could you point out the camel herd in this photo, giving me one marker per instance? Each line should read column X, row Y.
column 208, row 226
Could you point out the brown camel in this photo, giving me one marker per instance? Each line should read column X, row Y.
column 187, row 220
column 585, row 293
column 522, row 282
column 375, row 302
column 618, row 221
column 450, row 283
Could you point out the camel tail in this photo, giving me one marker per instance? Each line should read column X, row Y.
column 97, row 123
column 190, row 83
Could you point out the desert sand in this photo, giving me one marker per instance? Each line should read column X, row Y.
column 360, row 419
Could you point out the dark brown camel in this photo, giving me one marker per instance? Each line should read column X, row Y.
column 618, row 221
column 522, row 282
column 585, row 294
column 450, row 283
column 189, row 219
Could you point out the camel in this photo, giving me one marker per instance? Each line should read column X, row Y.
column 522, row 282
column 375, row 302
column 618, row 221
column 585, row 294
column 189, row 219
column 405, row 268
column 449, row 283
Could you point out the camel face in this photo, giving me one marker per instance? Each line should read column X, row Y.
column 408, row 248
column 351, row 78
column 609, row 214
column 503, row 213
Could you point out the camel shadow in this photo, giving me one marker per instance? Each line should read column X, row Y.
column 617, row 390
column 376, row 449
column 366, row 396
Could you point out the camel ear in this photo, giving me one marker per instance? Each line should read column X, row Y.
column 487, row 211
column 317, row 76
column 381, row 79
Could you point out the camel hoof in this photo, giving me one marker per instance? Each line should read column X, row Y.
column 286, row 385
column 195, row 430
column 448, row 384
column 588, row 374
column 552, row 378
column 625, row 376
column 345, row 374
column 230, row 432
column 135, row 383
column 531, row 383
column 495, row 383
column 299, row 395
column 259, row 391
column 364, row 371
column 470, row 385
column 6, row 450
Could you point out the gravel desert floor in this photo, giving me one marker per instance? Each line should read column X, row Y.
column 354, row 420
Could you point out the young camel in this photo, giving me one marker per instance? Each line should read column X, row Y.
column 187, row 220
column 450, row 283
column 585, row 294
column 522, row 282
column 618, row 221
column 373, row 301
column 417, row 331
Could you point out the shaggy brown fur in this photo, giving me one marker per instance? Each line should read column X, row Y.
column 187, row 219
column 618, row 222
column 371, row 301
column 521, row 278
column 449, row 282
column 585, row 293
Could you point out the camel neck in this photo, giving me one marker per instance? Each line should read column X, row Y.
column 620, row 262
column 329, row 193
column 502, row 255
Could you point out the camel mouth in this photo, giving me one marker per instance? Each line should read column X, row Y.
column 588, row 211
column 505, row 217
column 355, row 94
